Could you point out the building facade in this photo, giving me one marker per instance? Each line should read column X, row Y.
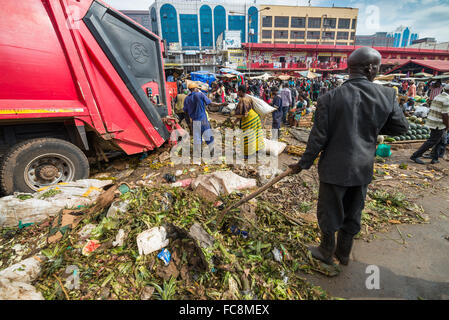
column 140, row 16
column 308, row 25
column 403, row 36
column 196, row 24
column 379, row 39
column 281, row 58
column 193, row 29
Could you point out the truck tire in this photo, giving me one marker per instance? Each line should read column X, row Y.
column 36, row 163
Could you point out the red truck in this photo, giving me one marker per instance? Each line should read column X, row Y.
column 77, row 78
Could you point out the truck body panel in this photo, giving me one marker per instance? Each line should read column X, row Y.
column 84, row 62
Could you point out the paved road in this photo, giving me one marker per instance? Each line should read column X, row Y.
column 417, row 270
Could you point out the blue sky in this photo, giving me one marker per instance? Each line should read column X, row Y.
column 430, row 18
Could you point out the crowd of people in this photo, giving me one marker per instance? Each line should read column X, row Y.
column 292, row 100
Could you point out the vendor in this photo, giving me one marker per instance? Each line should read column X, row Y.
column 195, row 107
column 249, row 123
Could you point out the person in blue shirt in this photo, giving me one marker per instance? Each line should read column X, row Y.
column 195, row 105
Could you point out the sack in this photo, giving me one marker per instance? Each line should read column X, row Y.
column 274, row 148
column 261, row 107
column 383, row 151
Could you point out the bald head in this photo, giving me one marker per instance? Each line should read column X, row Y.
column 364, row 61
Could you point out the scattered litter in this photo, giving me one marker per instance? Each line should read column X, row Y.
column 124, row 174
column 15, row 281
column 165, row 256
column 274, row 148
column 183, row 183
column 277, row 255
column 178, row 173
column 236, row 231
column 221, row 182
column 124, row 188
column 116, row 208
column 14, row 211
column 164, row 156
column 119, row 239
column 199, row 234
column 152, row 240
column 90, row 247
column 147, row 293
column 266, row 173
column 86, row 231
column 169, row 177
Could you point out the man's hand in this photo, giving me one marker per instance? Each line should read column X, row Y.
column 296, row 168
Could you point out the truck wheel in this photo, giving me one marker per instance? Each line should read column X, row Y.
column 37, row 163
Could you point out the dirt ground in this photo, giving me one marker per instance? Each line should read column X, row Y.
column 413, row 260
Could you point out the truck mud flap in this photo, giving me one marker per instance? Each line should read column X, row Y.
column 135, row 55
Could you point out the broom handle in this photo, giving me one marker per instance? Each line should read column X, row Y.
column 254, row 194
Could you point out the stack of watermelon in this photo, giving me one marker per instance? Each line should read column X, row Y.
column 416, row 132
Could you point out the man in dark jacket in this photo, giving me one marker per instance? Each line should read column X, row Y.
column 347, row 123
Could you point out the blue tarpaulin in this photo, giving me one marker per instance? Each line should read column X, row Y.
column 202, row 76
column 231, row 71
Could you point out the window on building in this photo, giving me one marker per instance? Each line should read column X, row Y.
column 344, row 23
column 354, row 23
column 267, row 21
column 313, row 34
column 297, row 34
column 314, row 23
column 342, row 35
column 281, row 22
column 352, row 35
column 266, row 34
column 341, row 43
column 281, row 34
column 330, row 23
column 328, row 35
column 298, row 22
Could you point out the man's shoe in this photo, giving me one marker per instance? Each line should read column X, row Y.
column 434, row 161
column 427, row 156
column 344, row 246
column 326, row 249
column 417, row 160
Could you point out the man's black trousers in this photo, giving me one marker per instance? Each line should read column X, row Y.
column 435, row 138
column 340, row 208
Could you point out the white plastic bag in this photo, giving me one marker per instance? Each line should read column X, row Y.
column 152, row 240
column 261, row 107
column 15, row 280
column 38, row 208
column 274, row 148
column 116, row 208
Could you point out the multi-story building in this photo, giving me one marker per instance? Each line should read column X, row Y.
column 140, row 16
column 429, row 43
column 192, row 28
column 280, row 58
column 308, row 25
column 403, row 36
column 379, row 39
